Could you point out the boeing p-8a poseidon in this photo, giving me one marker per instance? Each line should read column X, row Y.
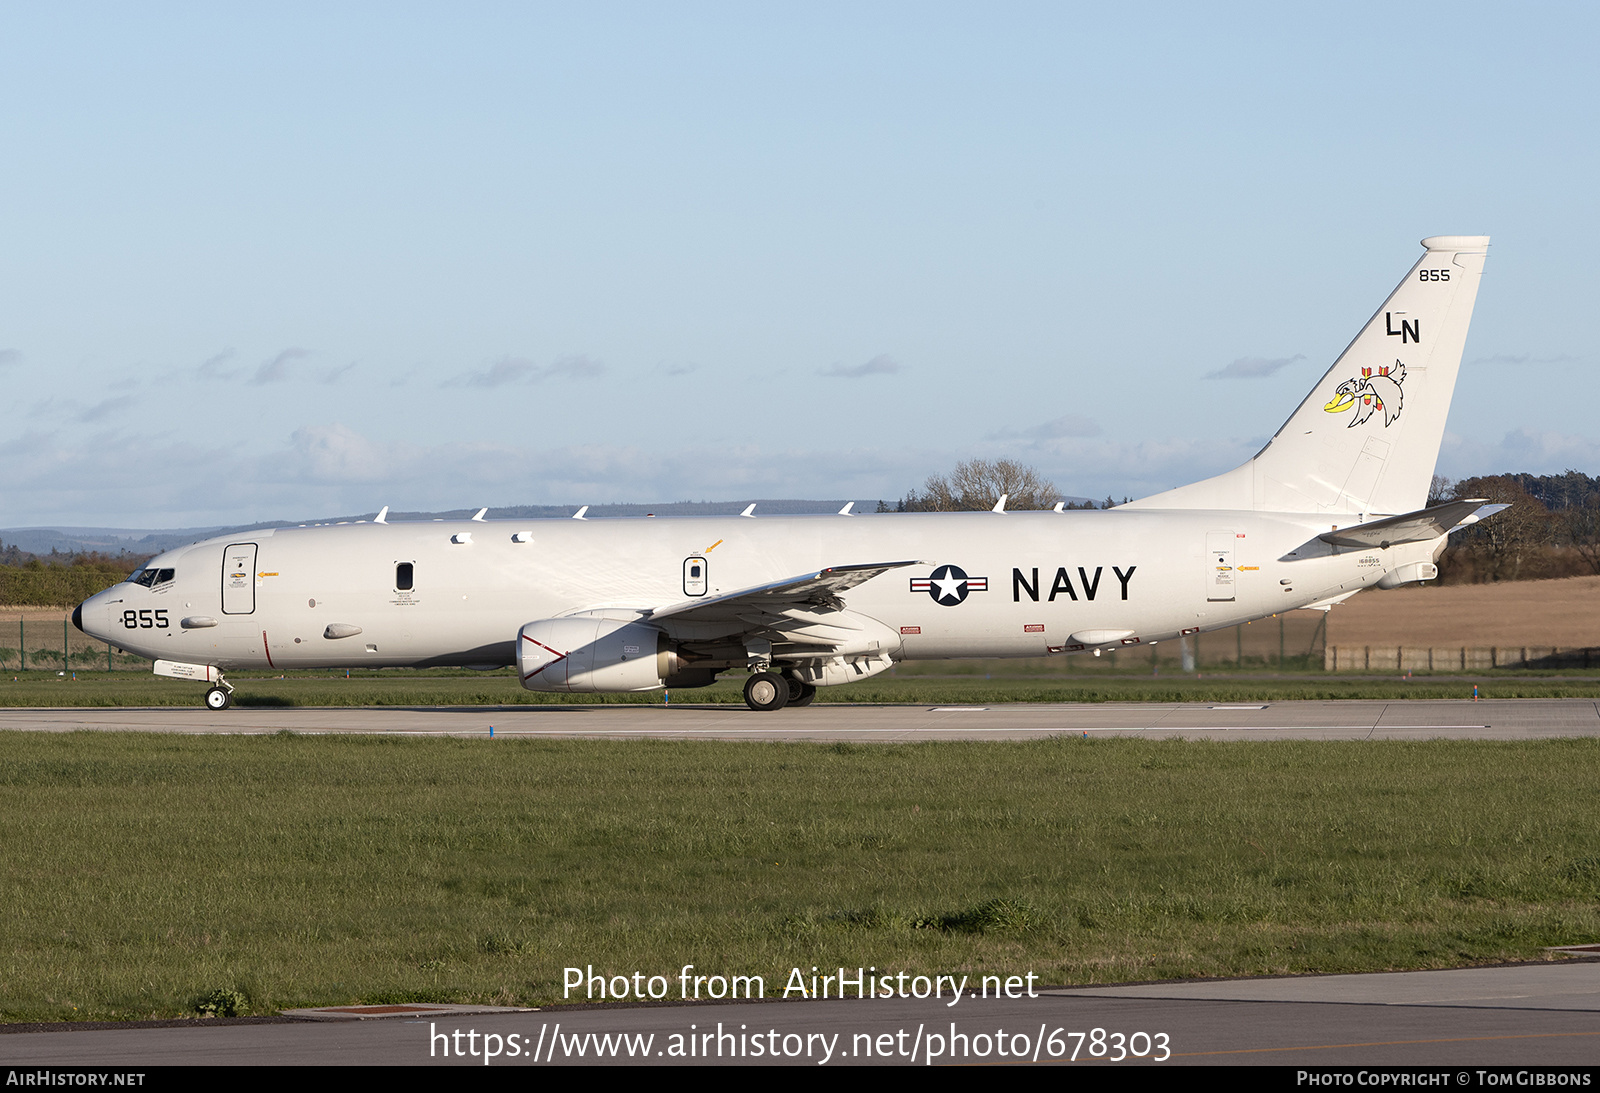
column 1333, row 504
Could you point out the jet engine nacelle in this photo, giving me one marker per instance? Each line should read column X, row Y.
column 1415, row 571
column 584, row 654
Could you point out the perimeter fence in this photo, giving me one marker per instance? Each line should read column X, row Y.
column 1413, row 658
column 54, row 644
column 1293, row 642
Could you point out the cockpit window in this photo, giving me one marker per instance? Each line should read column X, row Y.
column 150, row 576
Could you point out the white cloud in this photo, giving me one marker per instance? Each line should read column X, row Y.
column 66, row 409
column 335, row 454
column 1517, row 452
column 1072, row 425
column 213, row 368
column 1523, row 358
column 276, row 370
column 519, row 370
column 1097, row 466
column 117, row 479
column 122, row 479
column 104, row 409
column 881, row 365
column 1249, row 368
column 577, row 366
column 503, row 371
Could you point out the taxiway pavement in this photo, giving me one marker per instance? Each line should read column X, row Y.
column 1526, row 1016
column 1508, row 719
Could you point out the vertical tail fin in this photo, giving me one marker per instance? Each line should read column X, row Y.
column 1367, row 437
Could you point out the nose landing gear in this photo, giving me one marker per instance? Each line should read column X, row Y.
column 218, row 697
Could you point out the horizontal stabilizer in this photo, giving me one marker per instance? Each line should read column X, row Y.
column 1411, row 527
column 1483, row 513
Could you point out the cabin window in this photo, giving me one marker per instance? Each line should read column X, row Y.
column 402, row 577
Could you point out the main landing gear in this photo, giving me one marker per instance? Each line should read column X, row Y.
column 219, row 697
column 800, row 694
column 766, row 691
column 770, row 691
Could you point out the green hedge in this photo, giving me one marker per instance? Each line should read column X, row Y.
column 38, row 585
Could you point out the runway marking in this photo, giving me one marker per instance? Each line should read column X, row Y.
column 792, row 730
column 1383, row 1043
column 502, row 731
column 959, row 709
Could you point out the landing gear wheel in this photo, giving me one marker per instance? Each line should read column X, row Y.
column 218, row 699
column 766, row 691
column 800, row 693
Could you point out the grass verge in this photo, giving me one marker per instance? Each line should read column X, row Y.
column 152, row 875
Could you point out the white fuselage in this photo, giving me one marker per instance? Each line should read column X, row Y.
column 331, row 596
column 620, row 605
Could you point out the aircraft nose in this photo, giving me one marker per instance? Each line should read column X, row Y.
column 77, row 617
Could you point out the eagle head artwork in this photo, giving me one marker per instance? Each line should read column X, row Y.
column 1369, row 394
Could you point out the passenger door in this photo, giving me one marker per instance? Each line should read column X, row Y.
column 239, row 579
column 1222, row 580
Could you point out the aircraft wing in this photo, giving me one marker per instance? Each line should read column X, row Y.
column 805, row 593
column 1412, row 527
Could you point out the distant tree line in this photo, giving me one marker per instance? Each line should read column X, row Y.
column 1552, row 528
column 976, row 485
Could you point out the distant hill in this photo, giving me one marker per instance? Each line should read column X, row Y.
column 42, row 542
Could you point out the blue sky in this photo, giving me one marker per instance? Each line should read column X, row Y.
column 279, row 261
